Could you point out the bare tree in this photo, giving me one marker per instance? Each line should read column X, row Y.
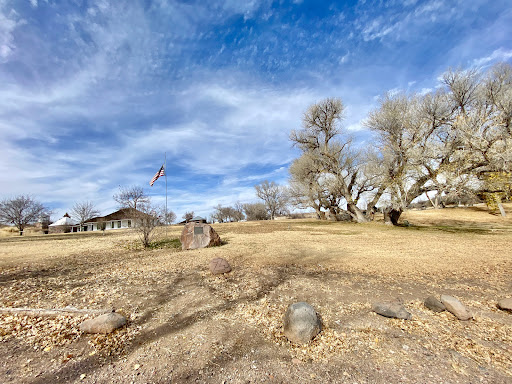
column 256, row 211
column 238, row 211
column 83, row 211
column 187, row 216
column 416, row 147
column 307, row 189
column 274, row 197
column 131, row 197
column 21, row 211
column 167, row 218
column 444, row 142
column 146, row 220
column 329, row 174
column 228, row 214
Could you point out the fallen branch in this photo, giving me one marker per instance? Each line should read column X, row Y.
column 67, row 311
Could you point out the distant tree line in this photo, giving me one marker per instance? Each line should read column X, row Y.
column 274, row 201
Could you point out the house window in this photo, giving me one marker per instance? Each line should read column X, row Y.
column 129, row 223
column 119, row 224
column 112, row 224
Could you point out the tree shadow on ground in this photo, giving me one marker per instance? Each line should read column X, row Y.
column 176, row 324
column 449, row 229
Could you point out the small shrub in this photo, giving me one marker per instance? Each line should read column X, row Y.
column 165, row 243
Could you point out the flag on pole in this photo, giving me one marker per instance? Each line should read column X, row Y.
column 161, row 172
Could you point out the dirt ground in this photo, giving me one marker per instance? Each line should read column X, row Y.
column 188, row 326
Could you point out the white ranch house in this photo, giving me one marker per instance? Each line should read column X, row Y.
column 122, row 219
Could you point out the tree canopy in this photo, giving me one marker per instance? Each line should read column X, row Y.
column 449, row 142
column 22, row 211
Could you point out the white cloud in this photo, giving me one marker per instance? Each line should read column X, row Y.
column 499, row 54
column 376, row 29
column 8, row 24
column 344, row 58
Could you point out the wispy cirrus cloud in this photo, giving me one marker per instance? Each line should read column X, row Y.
column 499, row 54
column 9, row 22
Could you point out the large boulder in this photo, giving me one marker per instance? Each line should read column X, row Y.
column 301, row 323
column 454, row 306
column 106, row 323
column 198, row 235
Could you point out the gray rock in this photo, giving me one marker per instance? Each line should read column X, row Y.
column 103, row 324
column 454, row 306
column 505, row 304
column 433, row 304
column 219, row 265
column 301, row 323
column 393, row 310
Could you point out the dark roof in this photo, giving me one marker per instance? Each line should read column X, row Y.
column 122, row 214
column 194, row 219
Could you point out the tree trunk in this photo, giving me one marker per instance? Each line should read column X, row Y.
column 319, row 213
column 500, row 207
column 391, row 216
column 370, row 213
column 435, row 202
column 356, row 213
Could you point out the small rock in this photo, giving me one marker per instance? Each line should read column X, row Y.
column 454, row 306
column 433, row 304
column 505, row 304
column 219, row 265
column 103, row 324
column 393, row 310
column 301, row 323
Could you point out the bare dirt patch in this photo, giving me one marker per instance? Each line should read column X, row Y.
column 186, row 325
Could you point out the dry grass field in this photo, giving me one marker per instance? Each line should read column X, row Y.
column 188, row 326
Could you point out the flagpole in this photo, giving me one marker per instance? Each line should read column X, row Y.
column 165, row 173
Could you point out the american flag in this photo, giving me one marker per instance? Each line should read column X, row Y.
column 161, row 172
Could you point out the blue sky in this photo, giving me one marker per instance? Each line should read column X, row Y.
column 93, row 93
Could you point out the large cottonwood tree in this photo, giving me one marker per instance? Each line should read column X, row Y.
column 446, row 140
column 329, row 174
